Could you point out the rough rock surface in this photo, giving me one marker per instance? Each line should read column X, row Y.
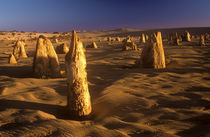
column 92, row 45
column 12, row 59
column 19, row 50
column 62, row 49
column 153, row 53
column 78, row 97
column 46, row 62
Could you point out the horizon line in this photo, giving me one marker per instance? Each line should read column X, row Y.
column 84, row 30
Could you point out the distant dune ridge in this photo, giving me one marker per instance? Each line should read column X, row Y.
column 78, row 96
column 46, row 62
column 153, row 53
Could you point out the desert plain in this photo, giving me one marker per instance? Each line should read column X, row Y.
column 127, row 100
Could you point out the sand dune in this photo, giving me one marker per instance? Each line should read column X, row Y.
column 127, row 100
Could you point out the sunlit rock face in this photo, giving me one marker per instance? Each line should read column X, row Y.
column 187, row 36
column 62, row 49
column 153, row 53
column 92, row 45
column 143, row 40
column 46, row 62
column 78, row 99
column 147, row 37
column 56, row 40
column 19, row 50
column 177, row 39
column 202, row 40
column 12, row 59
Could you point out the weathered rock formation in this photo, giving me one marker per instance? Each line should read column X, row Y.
column 62, row 49
column 128, row 45
column 19, row 50
column 12, row 59
column 202, row 40
column 187, row 36
column 78, row 99
column 46, row 62
column 92, row 45
column 177, row 40
column 56, row 40
column 153, row 53
column 207, row 36
column 147, row 37
column 143, row 40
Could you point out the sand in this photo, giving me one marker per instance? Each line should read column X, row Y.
column 127, row 100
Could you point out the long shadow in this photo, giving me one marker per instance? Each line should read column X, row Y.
column 56, row 110
column 61, row 87
column 100, row 77
column 91, row 55
column 16, row 71
column 3, row 58
column 200, row 129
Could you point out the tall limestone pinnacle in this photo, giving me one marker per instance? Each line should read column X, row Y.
column 78, row 98
column 153, row 53
column 202, row 40
column 187, row 36
column 143, row 40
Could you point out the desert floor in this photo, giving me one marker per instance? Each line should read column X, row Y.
column 127, row 100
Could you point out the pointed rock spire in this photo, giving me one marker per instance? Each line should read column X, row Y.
column 12, row 59
column 202, row 40
column 78, row 99
column 143, row 40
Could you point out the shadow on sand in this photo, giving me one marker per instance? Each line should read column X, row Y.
column 16, row 71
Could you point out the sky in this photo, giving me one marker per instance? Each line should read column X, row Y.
column 65, row 15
